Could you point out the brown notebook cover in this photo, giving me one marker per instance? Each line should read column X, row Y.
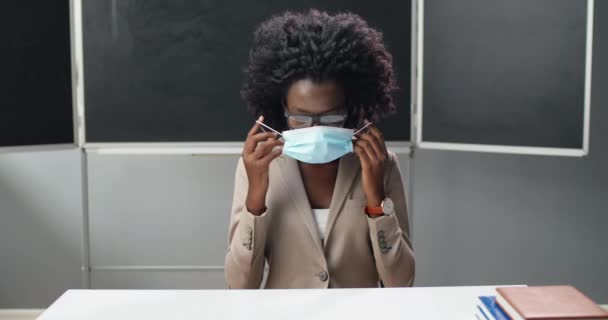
column 549, row 302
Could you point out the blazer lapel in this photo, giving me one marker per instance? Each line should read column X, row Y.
column 292, row 180
column 348, row 169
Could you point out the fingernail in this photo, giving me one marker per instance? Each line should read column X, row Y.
column 261, row 118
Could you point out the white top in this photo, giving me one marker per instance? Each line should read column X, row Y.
column 454, row 303
column 321, row 219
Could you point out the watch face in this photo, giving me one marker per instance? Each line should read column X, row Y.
column 387, row 206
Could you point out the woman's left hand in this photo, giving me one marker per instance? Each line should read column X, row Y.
column 372, row 152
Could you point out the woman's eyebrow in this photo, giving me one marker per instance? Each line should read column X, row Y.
column 334, row 109
column 298, row 110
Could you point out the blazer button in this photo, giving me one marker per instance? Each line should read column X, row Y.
column 323, row 276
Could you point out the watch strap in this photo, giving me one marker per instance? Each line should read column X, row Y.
column 374, row 211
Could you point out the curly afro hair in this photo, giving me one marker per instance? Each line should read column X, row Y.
column 319, row 46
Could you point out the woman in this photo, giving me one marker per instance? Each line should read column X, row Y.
column 318, row 221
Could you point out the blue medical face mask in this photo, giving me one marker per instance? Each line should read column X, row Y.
column 319, row 144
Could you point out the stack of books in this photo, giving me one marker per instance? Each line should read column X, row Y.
column 536, row 303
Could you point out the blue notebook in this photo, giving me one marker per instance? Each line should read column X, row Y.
column 490, row 309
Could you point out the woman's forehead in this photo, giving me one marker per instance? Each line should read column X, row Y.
column 314, row 97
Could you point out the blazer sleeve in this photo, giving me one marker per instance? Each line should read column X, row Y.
column 392, row 249
column 244, row 262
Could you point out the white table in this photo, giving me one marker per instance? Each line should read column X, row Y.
column 389, row 303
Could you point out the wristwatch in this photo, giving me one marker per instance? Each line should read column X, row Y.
column 385, row 209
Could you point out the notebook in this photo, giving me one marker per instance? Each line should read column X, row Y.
column 548, row 302
column 489, row 310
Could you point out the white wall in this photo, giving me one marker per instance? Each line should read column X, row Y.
column 161, row 212
column 40, row 226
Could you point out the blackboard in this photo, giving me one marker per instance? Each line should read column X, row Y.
column 170, row 71
column 501, row 72
column 35, row 81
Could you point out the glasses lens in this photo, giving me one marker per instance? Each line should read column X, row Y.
column 334, row 120
column 299, row 121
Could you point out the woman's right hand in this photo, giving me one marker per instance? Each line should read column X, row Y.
column 257, row 154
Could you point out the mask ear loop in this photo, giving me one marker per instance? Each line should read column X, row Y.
column 269, row 128
column 365, row 126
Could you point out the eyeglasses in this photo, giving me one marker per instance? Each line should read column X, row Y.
column 297, row 121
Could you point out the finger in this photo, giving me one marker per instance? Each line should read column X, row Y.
column 374, row 131
column 376, row 147
column 374, row 143
column 363, row 156
column 252, row 142
column 266, row 147
column 369, row 151
column 255, row 127
column 249, row 146
column 379, row 137
column 272, row 155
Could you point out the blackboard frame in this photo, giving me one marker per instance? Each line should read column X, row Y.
column 77, row 71
column 418, row 107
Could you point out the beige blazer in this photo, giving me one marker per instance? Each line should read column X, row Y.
column 358, row 251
